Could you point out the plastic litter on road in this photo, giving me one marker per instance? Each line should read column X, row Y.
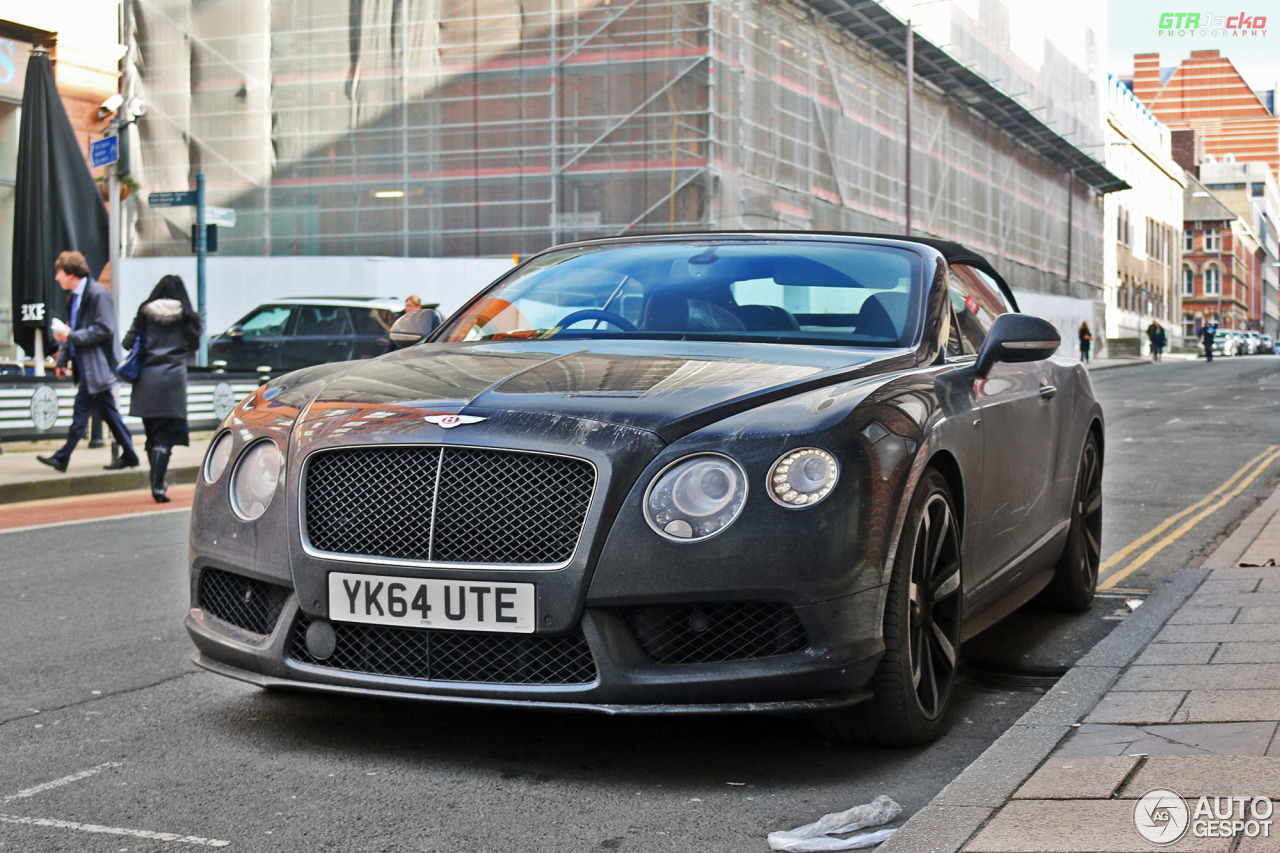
column 819, row 836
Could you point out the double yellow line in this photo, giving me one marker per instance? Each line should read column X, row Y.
column 1198, row 511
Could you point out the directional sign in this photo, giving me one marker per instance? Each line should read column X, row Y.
column 182, row 199
column 224, row 216
column 104, row 151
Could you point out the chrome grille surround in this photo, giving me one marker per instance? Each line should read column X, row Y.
column 458, row 656
column 444, row 504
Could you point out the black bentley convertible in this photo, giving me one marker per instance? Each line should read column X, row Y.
column 693, row 473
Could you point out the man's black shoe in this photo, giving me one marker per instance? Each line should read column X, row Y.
column 120, row 463
column 54, row 462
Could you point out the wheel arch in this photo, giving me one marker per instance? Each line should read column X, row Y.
column 949, row 467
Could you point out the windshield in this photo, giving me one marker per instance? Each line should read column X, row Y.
column 811, row 292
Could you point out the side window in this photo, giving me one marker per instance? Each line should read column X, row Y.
column 373, row 322
column 976, row 300
column 323, row 320
column 267, row 322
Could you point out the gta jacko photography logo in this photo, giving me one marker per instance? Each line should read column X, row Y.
column 1163, row 817
column 1210, row 24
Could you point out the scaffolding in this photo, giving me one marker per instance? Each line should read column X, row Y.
column 464, row 128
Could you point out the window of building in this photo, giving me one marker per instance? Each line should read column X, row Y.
column 1256, row 189
column 1188, row 240
column 1211, row 242
column 1188, row 281
column 1212, row 281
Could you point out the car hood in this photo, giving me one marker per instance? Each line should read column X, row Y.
column 628, row 383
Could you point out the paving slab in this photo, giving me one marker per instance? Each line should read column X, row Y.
column 1209, row 776
column 1226, row 739
column 1204, row 616
column 1085, row 777
column 1223, row 706
column 1235, row 599
column 1157, row 654
column 1074, row 826
column 1213, row 676
column 1269, row 615
column 1142, row 706
column 1234, row 633
column 1220, row 586
column 1270, row 844
column 1264, row 652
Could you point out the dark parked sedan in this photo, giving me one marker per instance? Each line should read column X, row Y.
column 691, row 473
column 304, row 331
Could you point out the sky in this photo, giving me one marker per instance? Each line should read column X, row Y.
column 1133, row 26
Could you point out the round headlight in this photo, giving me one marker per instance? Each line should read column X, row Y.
column 696, row 497
column 254, row 483
column 803, row 477
column 219, row 455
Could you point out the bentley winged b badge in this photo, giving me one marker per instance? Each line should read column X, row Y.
column 451, row 421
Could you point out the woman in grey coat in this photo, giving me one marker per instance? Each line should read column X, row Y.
column 171, row 329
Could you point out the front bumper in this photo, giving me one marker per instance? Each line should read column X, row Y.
column 606, row 664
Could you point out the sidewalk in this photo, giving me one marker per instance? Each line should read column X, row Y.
column 24, row 478
column 1182, row 697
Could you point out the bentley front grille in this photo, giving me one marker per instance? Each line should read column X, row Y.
column 251, row 605
column 452, row 655
column 714, row 633
column 447, row 504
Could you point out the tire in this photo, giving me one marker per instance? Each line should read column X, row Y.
column 1075, row 579
column 922, row 619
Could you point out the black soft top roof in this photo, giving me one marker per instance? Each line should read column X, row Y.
column 955, row 253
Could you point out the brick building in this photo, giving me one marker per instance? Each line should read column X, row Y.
column 1221, row 263
column 1207, row 93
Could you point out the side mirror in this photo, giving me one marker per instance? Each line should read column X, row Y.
column 1017, row 337
column 235, row 332
column 415, row 326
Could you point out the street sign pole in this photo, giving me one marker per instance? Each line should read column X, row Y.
column 202, row 250
column 113, row 230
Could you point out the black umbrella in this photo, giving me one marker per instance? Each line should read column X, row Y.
column 57, row 206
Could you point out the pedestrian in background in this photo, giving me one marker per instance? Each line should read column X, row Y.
column 1207, row 332
column 89, row 352
column 412, row 303
column 170, row 329
column 1086, row 340
column 1158, row 338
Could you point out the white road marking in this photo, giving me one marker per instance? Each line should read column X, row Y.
column 58, row 783
column 114, row 830
column 93, row 827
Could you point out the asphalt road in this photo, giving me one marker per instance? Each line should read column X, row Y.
column 113, row 741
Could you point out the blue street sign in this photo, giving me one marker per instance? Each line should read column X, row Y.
column 223, row 216
column 104, row 151
column 182, row 199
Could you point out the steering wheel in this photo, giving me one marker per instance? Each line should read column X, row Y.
column 598, row 314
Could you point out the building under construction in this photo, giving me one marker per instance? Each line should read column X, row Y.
column 464, row 128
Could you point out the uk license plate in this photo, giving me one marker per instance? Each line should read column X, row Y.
column 429, row 603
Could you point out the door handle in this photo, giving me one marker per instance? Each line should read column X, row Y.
column 1047, row 392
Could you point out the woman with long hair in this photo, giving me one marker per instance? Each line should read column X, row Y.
column 171, row 329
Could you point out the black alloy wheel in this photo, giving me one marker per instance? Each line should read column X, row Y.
column 923, row 615
column 1076, row 577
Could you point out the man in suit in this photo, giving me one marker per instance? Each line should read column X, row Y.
column 89, row 346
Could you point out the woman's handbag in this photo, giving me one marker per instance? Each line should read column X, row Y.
column 132, row 363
